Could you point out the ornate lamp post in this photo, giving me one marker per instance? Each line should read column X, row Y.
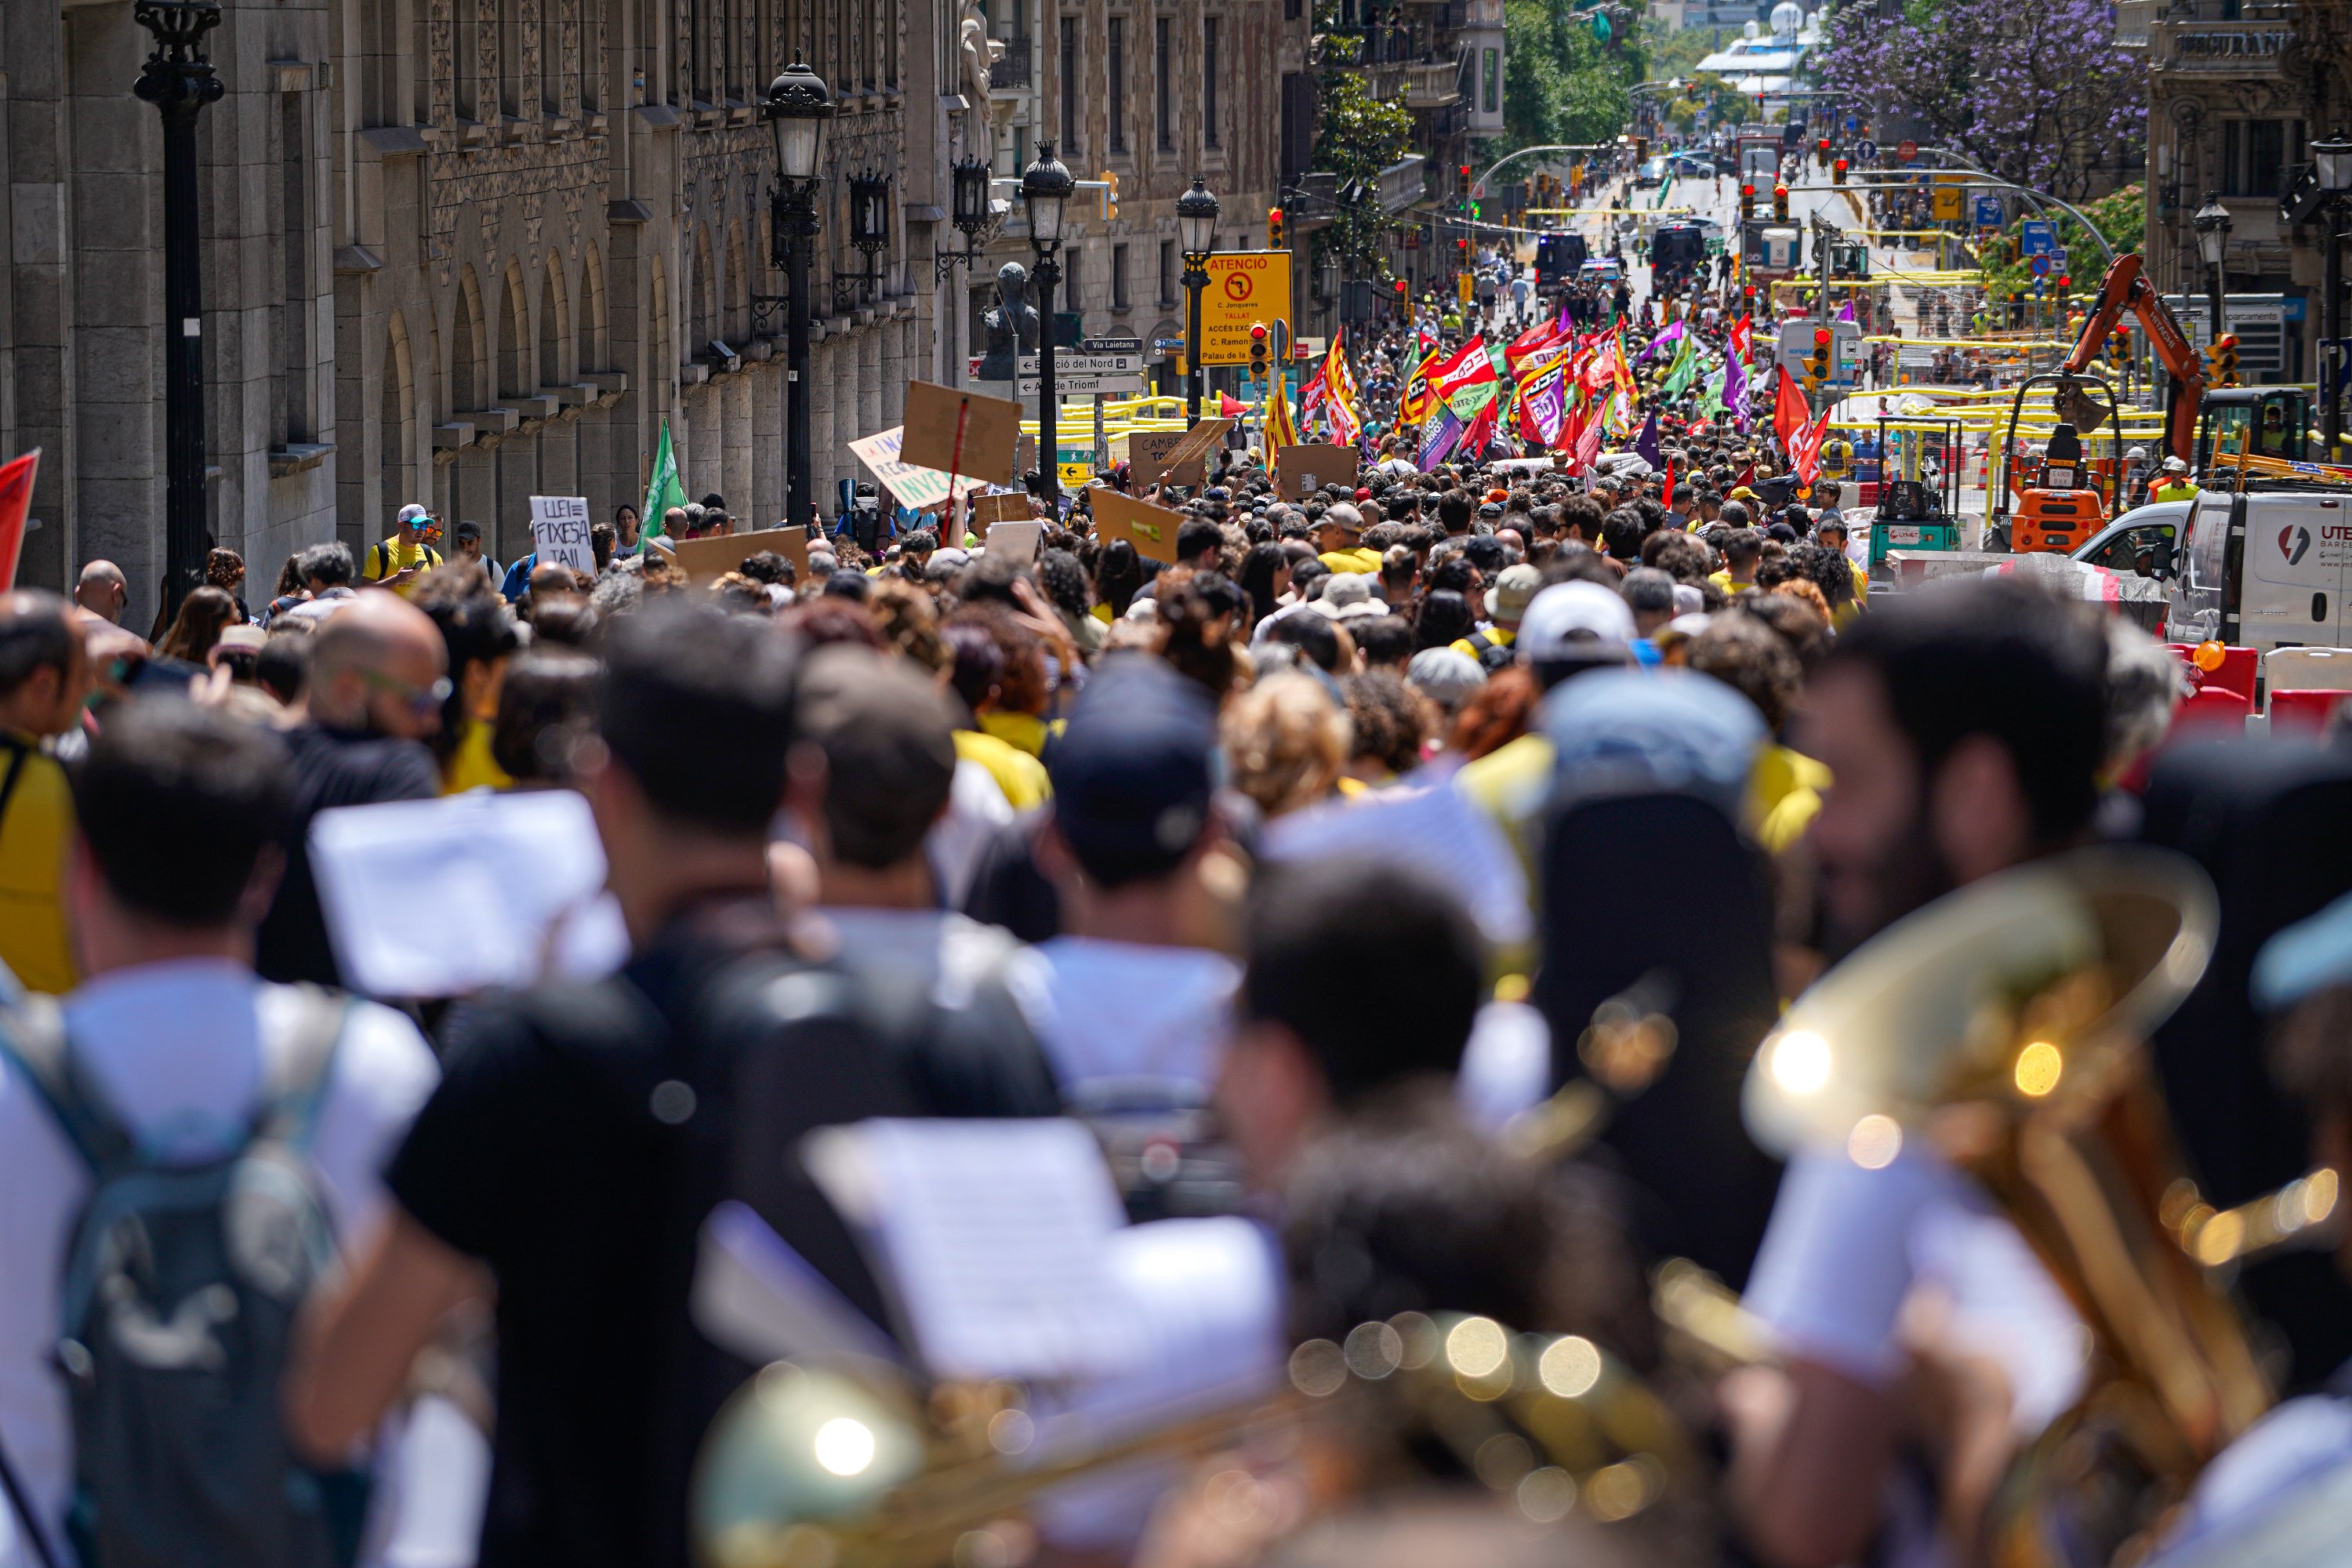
column 2212, row 224
column 1196, row 231
column 1046, row 188
column 796, row 109
column 2334, row 158
column 179, row 80
column 869, row 222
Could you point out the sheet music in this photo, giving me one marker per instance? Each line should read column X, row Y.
column 1429, row 827
column 995, row 1238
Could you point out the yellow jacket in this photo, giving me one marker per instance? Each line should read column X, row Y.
column 36, row 824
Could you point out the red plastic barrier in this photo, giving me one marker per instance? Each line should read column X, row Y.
column 2240, row 665
column 2303, row 711
column 2215, row 706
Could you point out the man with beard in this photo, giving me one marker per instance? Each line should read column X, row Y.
column 1963, row 730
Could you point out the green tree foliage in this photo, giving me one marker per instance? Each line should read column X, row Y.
column 1356, row 136
column 2121, row 217
column 1560, row 83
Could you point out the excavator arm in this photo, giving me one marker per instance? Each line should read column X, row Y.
column 2124, row 288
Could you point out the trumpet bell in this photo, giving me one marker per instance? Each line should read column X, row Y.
column 794, row 1447
column 2023, row 989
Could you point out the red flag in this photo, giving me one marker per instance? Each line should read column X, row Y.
column 1790, row 412
column 1229, row 409
column 1667, row 499
column 1746, row 477
column 1481, row 431
column 1540, row 336
column 16, row 502
column 1742, row 340
column 1805, row 450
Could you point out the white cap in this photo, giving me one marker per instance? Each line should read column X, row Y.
column 1575, row 620
column 413, row 511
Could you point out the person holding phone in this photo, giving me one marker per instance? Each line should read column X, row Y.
column 396, row 562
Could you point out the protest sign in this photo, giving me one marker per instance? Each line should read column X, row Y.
column 960, row 432
column 1197, row 443
column 918, row 488
column 990, row 510
column 707, row 560
column 559, row 532
column 1018, row 539
column 1146, row 459
column 1301, row 471
column 1151, row 528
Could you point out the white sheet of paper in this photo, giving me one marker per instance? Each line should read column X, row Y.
column 448, row 897
column 559, row 532
column 1017, row 539
column 1433, row 829
column 994, row 1238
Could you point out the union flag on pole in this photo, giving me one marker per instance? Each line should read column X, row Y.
column 1790, row 412
column 1339, row 392
column 1805, row 449
column 1743, row 339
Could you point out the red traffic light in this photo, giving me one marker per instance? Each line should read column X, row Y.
column 1747, row 190
column 1274, row 216
column 1779, row 190
column 1825, row 143
column 2064, row 282
column 1258, row 331
column 1820, row 337
column 1399, row 288
column 1749, row 291
column 1461, row 245
column 1465, row 169
column 1839, row 166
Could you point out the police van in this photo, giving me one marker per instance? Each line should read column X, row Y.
column 2266, row 569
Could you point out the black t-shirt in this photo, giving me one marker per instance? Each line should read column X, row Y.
column 329, row 768
column 577, row 1141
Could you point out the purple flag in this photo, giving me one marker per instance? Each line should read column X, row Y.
column 1845, row 313
column 1735, row 391
column 1646, row 443
column 1673, row 331
column 1438, row 434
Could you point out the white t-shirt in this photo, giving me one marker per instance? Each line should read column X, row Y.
column 175, row 1050
column 976, row 811
column 1124, row 1018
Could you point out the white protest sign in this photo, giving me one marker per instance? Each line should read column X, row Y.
column 559, row 532
column 916, row 487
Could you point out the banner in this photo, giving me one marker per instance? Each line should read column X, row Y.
column 15, row 503
column 1438, row 434
column 1543, row 404
column 663, row 492
column 1339, row 402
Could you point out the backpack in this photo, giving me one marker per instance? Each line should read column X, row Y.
column 1493, row 657
column 379, row 557
column 181, row 1287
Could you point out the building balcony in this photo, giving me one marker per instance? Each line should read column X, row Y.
column 1432, row 86
column 2132, row 19
column 1014, row 70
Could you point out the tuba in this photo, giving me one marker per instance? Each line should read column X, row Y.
column 2005, row 1026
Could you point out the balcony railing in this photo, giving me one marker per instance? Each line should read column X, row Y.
column 1011, row 72
column 2132, row 17
column 1432, row 86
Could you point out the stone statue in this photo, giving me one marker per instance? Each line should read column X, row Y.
column 975, row 52
column 1010, row 321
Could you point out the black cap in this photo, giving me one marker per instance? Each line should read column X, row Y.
column 1133, row 772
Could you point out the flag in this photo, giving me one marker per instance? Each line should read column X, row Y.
column 1790, row 412
column 1340, row 393
column 1845, row 312
column 1646, row 443
column 1543, row 404
column 1412, row 403
column 1481, row 431
column 1671, row 334
column 1540, row 336
column 1805, row 447
column 1666, row 498
column 1735, row 390
column 1742, row 342
column 1311, row 396
column 16, row 502
column 1626, row 386
column 1279, row 430
column 1229, row 407
column 1468, row 382
column 663, row 492
column 1680, row 374
column 1587, row 443
column 1438, row 434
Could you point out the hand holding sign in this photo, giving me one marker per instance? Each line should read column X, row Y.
column 559, row 532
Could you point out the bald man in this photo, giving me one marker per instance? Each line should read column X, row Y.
column 378, row 678
column 102, row 591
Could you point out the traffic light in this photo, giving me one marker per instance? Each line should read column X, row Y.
column 2224, row 356
column 2064, row 283
column 1463, row 170
column 1779, row 201
column 1273, row 229
column 1821, row 153
column 1746, row 202
column 1641, row 148
column 1257, row 351
column 1837, row 172
column 1402, row 293
column 1817, row 368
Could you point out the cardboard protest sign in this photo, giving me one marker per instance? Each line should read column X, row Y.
column 918, row 488
column 990, row 510
column 1146, row 459
column 960, row 432
column 707, row 560
column 559, row 532
column 1151, row 528
column 1018, row 540
column 1196, row 444
column 1301, row 471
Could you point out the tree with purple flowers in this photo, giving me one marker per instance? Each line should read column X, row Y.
column 2036, row 93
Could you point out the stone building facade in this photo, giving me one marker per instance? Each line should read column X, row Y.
column 458, row 251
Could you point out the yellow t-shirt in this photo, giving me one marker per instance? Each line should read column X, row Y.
column 1021, row 776
column 1784, row 796
column 1723, row 581
column 1022, row 731
column 1359, row 559
column 473, row 767
column 34, row 833
column 396, row 554
column 1497, row 636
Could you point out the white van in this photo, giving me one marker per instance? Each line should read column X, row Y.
column 2265, row 570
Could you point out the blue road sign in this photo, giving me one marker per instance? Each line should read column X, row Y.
column 2041, row 266
column 1989, row 213
column 2039, row 237
column 1865, row 149
column 1851, row 124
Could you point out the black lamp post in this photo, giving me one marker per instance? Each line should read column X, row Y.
column 2212, row 224
column 972, row 215
column 1196, row 231
column 179, row 80
column 1046, row 188
column 796, row 109
column 2334, row 158
column 869, row 222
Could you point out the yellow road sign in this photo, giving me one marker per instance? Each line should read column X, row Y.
column 1945, row 202
column 1244, row 287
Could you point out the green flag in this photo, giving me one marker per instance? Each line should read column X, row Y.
column 665, row 491
column 1685, row 369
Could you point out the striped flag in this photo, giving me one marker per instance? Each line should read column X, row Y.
column 1339, row 392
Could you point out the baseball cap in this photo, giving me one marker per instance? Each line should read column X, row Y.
column 248, row 638
column 415, row 511
column 1447, row 676
column 1347, row 596
column 468, row 530
column 1575, row 621
column 1133, row 771
column 1344, row 517
column 1506, row 601
column 889, row 751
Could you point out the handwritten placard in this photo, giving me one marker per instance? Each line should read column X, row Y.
column 1146, row 459
column 559, row 532
column 1151, row 528
column 1301, row 471
column 960, row 432
column 1007, row 506
column 912, row 486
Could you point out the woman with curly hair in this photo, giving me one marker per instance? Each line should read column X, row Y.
column 1285, row 743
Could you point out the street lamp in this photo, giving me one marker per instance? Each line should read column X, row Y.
column 796, row 109
column 2212, row 223
column 2334, row 158
column 179, row 80
column 1046, row 188
column 1196, row 231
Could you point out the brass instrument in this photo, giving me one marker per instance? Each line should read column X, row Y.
column 2006, row 1025
column 838, row 1467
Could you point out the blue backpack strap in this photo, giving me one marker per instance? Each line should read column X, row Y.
column 33, row 1036
column 295, row 1079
